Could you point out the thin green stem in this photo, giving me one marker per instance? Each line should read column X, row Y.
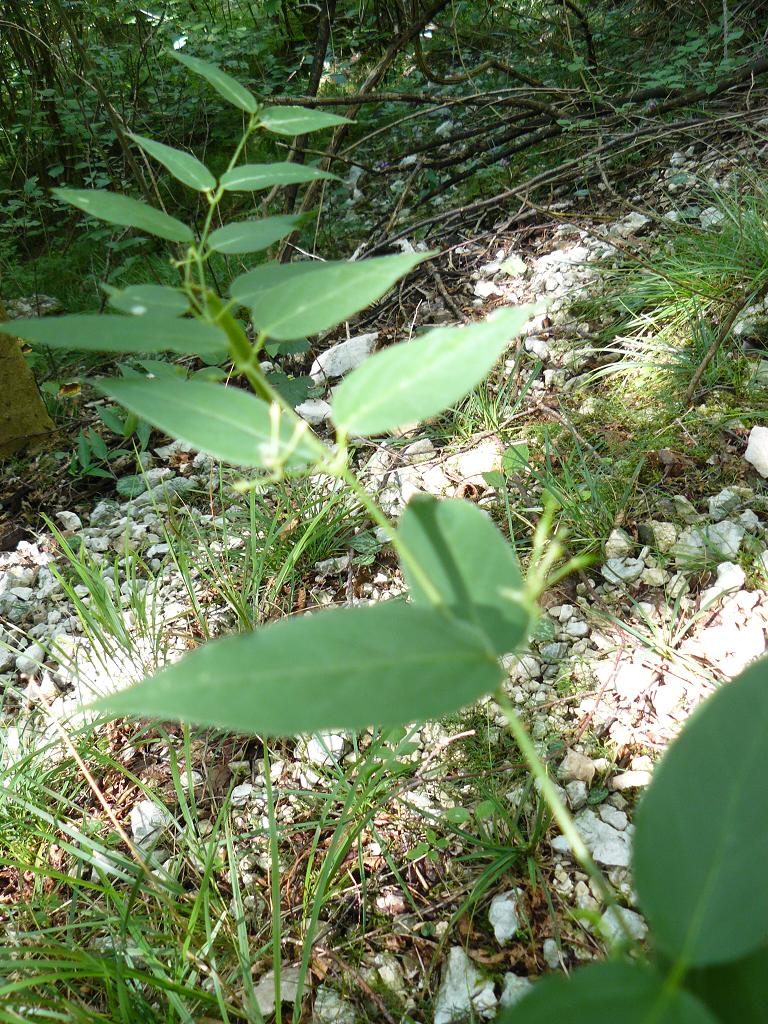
column 274, row 851
column 559, row 811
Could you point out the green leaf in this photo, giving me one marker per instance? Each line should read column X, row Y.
column 224, row 84
column 143, row 299
column 254, row 177
column 123, row 210
column 735, row 992
column 252, row 235
column 457, row 815
column 183, row 166
column 98, row 446
column 606, row 994
column 515, row 458
column 287, row 348
column 248, row 288
column 93, row 333
column 293, row 389
column 298, row 120
column 467, row 560
column 349, row 668
column 228, row 423
column 111, row 420
column 327, row 294
column 417, row 379
column 701, row 844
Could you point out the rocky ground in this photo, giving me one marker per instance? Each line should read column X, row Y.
column 674, row 605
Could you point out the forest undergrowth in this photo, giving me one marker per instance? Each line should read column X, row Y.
column 153, row 871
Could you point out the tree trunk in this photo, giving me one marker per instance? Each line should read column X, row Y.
column 24, row 418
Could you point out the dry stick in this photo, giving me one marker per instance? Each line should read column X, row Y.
column 583, row 21
column 94, row 787
column 565, row 172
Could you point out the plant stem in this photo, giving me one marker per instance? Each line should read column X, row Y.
column 274, row 854
column 557, row 807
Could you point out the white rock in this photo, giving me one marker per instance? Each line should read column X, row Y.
column 757, row 450
column 623, row 570
column 576, row 793
column 485, row 289
column 322, row 749
column 654, row 577
column 750, row 521
column 391, row 973
column 463, row 991
column 523, row 668
column 729, row 577
column 470, row 466
column 241, row 794
column 341, row 358
column 554, row 651
column 661, row 535
column 551, row 954
column 631, row 679
column 613, row 816
column 629, row 225
column 607, row 846
column 30, row 660
column 330, row 1008
column 69, row 520
column 611, row 929
column 576, row 628
column 265, row 990
column 537, row 347
column 691, row 547
column 419, row 451
column 711, row 217
column 315, row 411
column 576, row 767
column 619, row 544
column 513, row 265
column 148, row 820
column 515, row 988
column 725, row 538
column 503, row 915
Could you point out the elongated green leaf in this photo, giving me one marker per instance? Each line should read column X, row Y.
column 606, row 994
column 123, row 210
column 224, row 84
column 701, row 844
column 248, row 287
column 228, row 423
column 254, row 177
column 464, row 557
column 183, row 166
column 148, row 300
column 735, row 992
column 93, row 333
column 411, row 381
column 298, row 120
column 252, row 235
column 349, row 668
column 324, row 296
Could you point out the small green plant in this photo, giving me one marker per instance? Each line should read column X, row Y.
column 391, row 663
